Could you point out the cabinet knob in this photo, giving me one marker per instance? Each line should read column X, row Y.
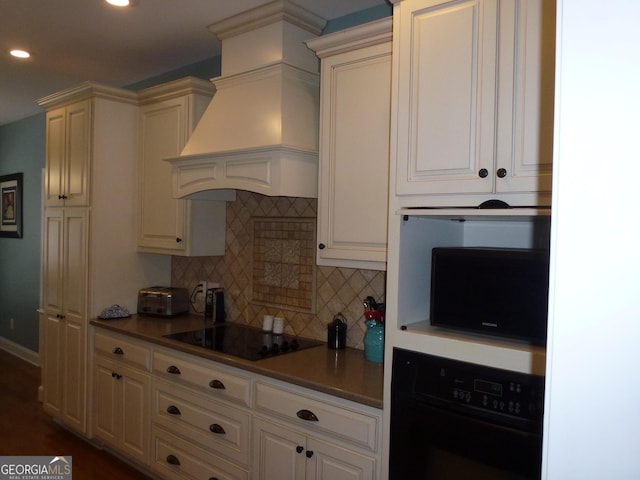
column 307, row 415
column 173, row 410
column 483, row 173
column 173, row 460
column 215, row 428
column 322, row 246
column 172, row 369
column 118, row 351
column 299, row 448
column 217, row 384
column 502, row 172
column 115, row 375
column 178, row 240
column 309, row 453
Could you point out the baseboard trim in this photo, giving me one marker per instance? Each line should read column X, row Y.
column 19, row 351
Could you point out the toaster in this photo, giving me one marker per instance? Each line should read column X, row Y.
column 163, row 301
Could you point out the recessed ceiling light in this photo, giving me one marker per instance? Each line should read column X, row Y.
column 20, row 53
column 119, row 3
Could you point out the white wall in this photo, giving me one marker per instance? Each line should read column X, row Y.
column 592, row 417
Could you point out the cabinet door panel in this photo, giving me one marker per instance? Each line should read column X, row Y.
column 276, row 455
column 355, row 157
column 75, row 263
column 74, row 408
column 162, row 217
column 53, row 367
column 55, row 155
column 134, row 415
column 53, row 255
column 76, row 179
column 525, row 105
column 105, row 412
column 330, row 462
column 448, row 89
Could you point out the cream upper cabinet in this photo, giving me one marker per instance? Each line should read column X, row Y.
column 67, row 155
column 473, row 113
column 355, row 102
column 168, row 115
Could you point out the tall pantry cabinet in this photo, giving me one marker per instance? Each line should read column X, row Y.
column 89, row 257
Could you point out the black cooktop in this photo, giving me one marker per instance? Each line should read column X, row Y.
column 243, row 341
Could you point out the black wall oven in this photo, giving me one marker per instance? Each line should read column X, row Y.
column 456, row 420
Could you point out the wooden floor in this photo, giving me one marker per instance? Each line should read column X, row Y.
column 26, row 430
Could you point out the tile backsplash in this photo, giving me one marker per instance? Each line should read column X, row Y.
column 269, row 268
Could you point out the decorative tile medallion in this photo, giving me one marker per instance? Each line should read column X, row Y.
column 283, row 263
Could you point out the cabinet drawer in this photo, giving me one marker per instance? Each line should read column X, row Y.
column 216, row 426
column 119, row 348
column 355, row 426
column 205, row 376
column 174, row 457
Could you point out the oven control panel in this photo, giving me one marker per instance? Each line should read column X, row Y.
column 470, row 388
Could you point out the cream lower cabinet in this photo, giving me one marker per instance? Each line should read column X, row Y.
column 288, row 454
column 120, row 414
column 473, row 101
column 121, row 387
column 299, row 436
column 201, row 420
column 205, row 420
column 355, row 102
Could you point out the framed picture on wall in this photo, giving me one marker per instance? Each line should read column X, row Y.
column 11, row 204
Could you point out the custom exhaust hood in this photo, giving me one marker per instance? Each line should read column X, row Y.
column 260, row 131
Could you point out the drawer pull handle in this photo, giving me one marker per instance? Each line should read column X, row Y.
column 309, row 453
column 299, row 448
column 173, row 460
column 173, row 410
column 307, row 415
column 118, row 351
column 217, row 384
column 213, row 478
column 215, row 428
column 115, row 375
column 173, row 370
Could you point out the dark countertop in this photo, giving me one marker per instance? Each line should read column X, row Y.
column 342, row 373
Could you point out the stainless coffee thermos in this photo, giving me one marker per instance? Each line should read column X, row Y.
column 337, row 332
column 214, row 305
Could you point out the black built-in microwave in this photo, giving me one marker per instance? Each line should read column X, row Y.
column 496, row 291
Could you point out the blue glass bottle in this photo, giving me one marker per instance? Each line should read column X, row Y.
column 374, row 341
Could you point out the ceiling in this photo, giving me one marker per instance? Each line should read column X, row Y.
column 72, row 41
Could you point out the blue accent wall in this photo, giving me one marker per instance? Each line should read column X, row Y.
column 22, row 149
column 357, row 18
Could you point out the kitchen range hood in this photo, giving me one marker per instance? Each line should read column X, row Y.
column 260, row 131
